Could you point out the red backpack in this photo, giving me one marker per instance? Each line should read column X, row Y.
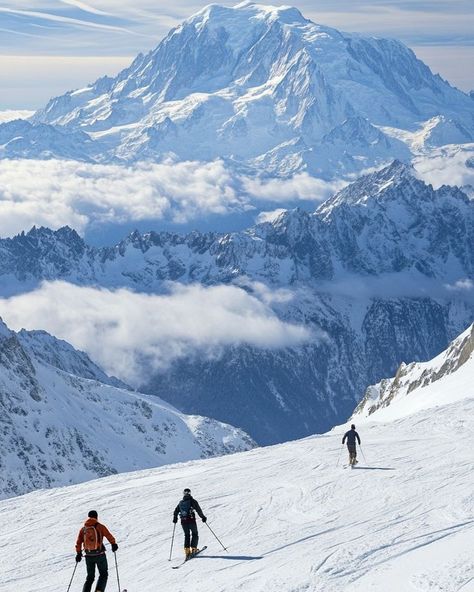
column 92, row 538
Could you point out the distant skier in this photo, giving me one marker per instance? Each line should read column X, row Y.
column 186, row 510
column 90, row 537
column 351, row 437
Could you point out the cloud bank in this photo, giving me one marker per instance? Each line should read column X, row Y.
column 447, row 166
column 55, row 193
column 131, row 334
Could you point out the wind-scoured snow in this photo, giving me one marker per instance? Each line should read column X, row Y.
column 293, row 518
column 263, row 88
column 64, row 421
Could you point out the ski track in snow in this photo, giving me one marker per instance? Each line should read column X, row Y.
column 402, row 520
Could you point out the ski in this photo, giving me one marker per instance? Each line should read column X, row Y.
column 189, row 559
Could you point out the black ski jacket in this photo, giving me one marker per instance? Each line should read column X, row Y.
column 194, row 506
column 351, row 436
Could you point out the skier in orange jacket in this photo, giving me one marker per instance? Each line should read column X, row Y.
column 91, row 538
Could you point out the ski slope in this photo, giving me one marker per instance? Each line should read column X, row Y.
column 293, row 520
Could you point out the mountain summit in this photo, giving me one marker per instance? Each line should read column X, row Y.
column 265, row 89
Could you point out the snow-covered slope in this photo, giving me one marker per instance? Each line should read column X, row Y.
column 376, row 269
column 292, row 517
column 64, row 421
column 22, row 139
column 266, row 90
column 416, row 386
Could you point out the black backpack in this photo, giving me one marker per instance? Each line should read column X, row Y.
column 186, row 511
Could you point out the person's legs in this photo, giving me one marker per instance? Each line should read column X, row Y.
column 103, row 573
column 351, row 450
column 195, row 538
column 90, row 564
column 187, row 534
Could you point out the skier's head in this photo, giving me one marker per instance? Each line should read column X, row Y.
column 186, row 491
column 93, row 514
column 353, row 427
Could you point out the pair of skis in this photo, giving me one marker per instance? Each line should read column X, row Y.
column 189, row 558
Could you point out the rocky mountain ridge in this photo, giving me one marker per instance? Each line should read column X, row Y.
column 64, row 421
column 428, row 381
column 387, row 222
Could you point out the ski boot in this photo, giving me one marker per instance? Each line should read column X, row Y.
column 194, row 550
column 188, row 552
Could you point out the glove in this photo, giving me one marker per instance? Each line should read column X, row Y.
column 175, row 519
column 78, row 557
column 114, row 547
column 204, row 519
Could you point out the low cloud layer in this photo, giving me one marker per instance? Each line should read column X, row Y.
column 447, row 166
column 301, row 186
column 55, row 193
column 131, row 334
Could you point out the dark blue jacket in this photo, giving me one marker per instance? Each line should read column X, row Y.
column 193, row 505
column 351, row 436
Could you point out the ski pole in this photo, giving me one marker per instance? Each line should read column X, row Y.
column 339, row 457
column 116, row 569
column 72, row 577
column 216, row 537
column 363, row 455
column 172, row 541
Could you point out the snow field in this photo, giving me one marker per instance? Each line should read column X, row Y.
column 292, row 519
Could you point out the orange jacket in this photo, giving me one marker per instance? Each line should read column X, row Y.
column 102, row 531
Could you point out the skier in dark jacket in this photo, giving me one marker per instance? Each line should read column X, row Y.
column 186, row 510
column 90, row 538
column 351, row 436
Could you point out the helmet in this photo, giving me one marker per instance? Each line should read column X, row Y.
column 187, row 491
column 353, row 427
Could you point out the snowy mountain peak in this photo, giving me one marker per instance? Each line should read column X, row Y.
column 217, row 15
column 265, row 89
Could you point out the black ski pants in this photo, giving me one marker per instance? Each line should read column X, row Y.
column 91, row 562
column 190, row 528
column 352, row 451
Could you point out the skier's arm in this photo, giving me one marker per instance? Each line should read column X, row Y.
column 176, row 512
column 197, row 507
column 80, row 540
column 344, row 438
column 358, row 438
column 107, row 534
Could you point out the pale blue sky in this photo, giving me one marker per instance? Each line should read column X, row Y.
column 50, row 46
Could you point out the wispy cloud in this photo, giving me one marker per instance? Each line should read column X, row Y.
column 65, row 20
column 131, row 334
column 86, row 7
